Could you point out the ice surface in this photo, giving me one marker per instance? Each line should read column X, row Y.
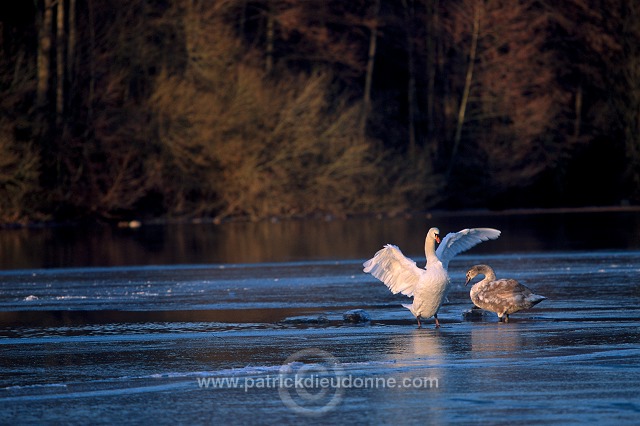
column 134, row 344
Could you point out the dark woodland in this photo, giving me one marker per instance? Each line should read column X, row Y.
column 120, row 109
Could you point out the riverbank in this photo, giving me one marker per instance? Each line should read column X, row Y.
column 134, row 223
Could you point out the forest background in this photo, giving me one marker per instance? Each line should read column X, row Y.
column 113, row 109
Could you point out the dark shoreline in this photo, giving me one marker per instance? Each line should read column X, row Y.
column 136, row 223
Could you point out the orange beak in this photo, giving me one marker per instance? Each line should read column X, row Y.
column 438, row 238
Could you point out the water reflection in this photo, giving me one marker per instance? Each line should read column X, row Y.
column 422, row 344
column 248, row 242
column 491, row 340
column 424, row 348
column 418, row 371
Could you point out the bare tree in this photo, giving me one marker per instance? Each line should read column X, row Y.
column 60, row 60
column 630, row 109
column 468, row 80
column 409, row 16
column 510, row 98
column 45, row 20
column 600, row 65
column 371, row 58
column 433, row 36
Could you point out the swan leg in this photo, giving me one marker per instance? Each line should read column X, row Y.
column 419, row 323
column 437, row 322
column 507, row 318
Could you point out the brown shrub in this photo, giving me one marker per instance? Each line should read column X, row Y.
column 19, row 174
column 237, row 142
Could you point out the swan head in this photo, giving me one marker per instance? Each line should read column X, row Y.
column 434, row 234
column 478, row 270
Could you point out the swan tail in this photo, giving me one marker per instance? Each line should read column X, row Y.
column 534, row 299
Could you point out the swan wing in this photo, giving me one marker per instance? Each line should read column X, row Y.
column 504, row 289
column 508, row 293
column 394, row 269
column 457, row 242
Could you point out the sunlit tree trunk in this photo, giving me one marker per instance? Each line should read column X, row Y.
column 371, row 57
column 432, row 7
column 44, row 53
column 71, row 46
column 71, row 37
column 60, row 61
column 577, row 123
column 467, row 86
column 91, row 60
column 270, row 41
column 411, row 86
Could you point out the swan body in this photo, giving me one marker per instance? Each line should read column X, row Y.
column 427, row 286
column 502, row 296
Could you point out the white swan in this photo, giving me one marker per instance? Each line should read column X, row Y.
column 504, row 296
column 427, row 286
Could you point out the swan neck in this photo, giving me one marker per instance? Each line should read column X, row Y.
column 477, row 286
column 489, row 275
column 430, row 249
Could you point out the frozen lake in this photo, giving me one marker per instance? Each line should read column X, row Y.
column 233, row 343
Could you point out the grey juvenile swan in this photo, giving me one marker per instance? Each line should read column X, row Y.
column 427, row 286
column 502, row 296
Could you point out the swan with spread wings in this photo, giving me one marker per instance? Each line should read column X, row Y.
column 427, row 286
